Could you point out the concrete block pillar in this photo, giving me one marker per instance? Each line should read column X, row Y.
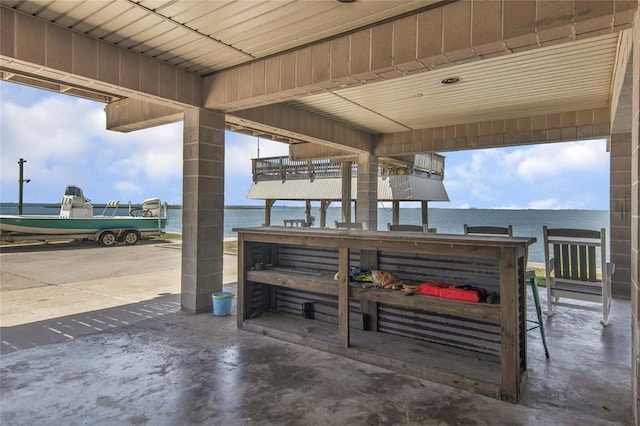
column 202, row 208
column 367, row 184
column 620, row 214
column 635, row 217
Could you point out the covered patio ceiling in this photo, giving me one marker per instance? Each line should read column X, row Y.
column 554, row 67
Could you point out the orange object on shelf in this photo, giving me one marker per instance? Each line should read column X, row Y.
column 449, row 291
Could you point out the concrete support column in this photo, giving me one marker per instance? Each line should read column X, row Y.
column 620, row 214
column 367, row 200
column 635, row 217
column 202, row 208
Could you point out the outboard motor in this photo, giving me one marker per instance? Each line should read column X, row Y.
column 151, row 207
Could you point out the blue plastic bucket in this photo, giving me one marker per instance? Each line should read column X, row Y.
column 222, row 303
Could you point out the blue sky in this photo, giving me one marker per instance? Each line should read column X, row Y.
column 65, row 141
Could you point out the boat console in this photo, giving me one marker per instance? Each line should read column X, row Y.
column 74, row 204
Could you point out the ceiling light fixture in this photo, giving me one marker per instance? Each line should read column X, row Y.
column 345, row 1
column 451, row 80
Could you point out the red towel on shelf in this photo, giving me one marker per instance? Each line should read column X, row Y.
column 449, row 291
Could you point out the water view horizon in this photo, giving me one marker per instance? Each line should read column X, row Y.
column 525, row 222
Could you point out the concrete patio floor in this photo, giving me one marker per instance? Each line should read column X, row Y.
column 94, row 335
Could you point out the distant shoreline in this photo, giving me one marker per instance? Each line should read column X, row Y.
column 102, row 205
column 256, row 207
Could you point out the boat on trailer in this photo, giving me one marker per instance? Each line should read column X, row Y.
column 77, row 221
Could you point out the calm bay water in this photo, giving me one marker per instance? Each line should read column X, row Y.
column 526, row 223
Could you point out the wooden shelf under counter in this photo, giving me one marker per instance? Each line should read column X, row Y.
column 324, row 283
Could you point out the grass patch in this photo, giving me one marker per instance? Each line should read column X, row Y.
column 231, row 247
column 541, row 281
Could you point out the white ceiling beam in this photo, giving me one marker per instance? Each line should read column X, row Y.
column 313, row 151
column 131, row 114
column 559, row 127
column 283, row 121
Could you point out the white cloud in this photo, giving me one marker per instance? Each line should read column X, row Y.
column 128, row 187
column 510, row 207
column 554, row 203
column 475, row 176
column 154, row 153
column 51, row 137
column 555, row 159
column 576, row 173
column 240, row 149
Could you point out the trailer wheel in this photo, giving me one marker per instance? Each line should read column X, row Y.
column 107, row 238
column 131, row 237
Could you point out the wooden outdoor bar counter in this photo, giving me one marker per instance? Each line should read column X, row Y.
column 288, row 289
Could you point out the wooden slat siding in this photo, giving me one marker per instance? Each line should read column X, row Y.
column 454, row 270
column 449, row 330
